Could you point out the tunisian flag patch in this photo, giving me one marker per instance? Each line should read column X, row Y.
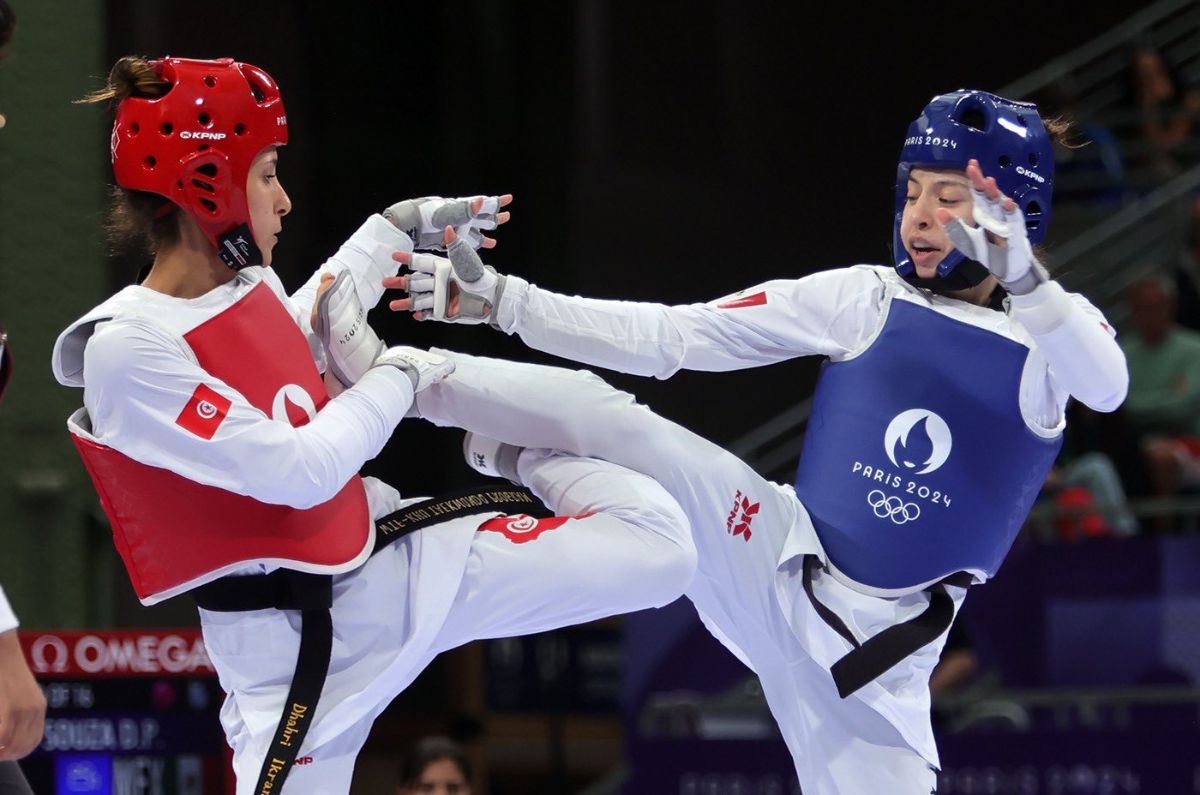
column 204, row 412
column 521, row 529
column 754, row 299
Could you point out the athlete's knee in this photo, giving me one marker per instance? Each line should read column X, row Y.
column 668, row 559
column 679, row 566
column 671, row 571
column 598, row 394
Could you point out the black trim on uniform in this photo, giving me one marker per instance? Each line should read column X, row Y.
column 870, row 659
column 312, row 594
column 510, row 500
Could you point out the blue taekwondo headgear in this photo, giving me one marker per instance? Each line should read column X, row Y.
column 1011, row 144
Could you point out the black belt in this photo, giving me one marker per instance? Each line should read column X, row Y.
column 312, row 595
column 870, row 659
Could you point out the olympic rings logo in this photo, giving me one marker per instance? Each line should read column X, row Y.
column 894, row 508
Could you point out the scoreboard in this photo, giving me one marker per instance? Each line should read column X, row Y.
column 129, row 712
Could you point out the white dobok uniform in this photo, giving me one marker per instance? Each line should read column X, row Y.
column 435, row 589
column 8, row 619
column 748, row 587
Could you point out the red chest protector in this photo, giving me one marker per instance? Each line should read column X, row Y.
column 175, row 534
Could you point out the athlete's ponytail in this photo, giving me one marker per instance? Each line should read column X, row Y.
column 138, row 222
column 131, row 76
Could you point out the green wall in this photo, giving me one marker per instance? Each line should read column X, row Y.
column 54, row 559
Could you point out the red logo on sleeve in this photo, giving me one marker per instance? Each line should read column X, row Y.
column 754, row 299
column 742, row 516
column 204, row 412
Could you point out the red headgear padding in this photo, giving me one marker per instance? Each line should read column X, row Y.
column 194, row 145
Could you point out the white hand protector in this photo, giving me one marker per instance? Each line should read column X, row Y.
column 424, row 368
column 1013, row 264
column 425, row 219
column 351, row 345
column 434, row 278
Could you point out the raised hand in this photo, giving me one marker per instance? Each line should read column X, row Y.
column 460, row 289
column 424, row 219
column 999, row 241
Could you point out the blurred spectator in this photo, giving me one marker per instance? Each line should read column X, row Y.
column 958, row 664
column 1111, row 434
column 1168, row 112
column 1099, row 466
column 1088, row 164
column 1164, row 387
column 8, row 26
column 962, row 692
column 1090, row 498
column 435, row 766
column 22, row 704
column 1187, row 274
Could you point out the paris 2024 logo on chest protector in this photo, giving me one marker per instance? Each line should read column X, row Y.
column 917, row 442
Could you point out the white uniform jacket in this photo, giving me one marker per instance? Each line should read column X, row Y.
column 8, row 619
column 138, row 373
column 837, row 314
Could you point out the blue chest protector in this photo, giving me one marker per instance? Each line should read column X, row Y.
column 917, row 463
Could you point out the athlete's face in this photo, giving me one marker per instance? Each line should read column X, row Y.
column 924, row 238
column 267, row 200
column 443, row 777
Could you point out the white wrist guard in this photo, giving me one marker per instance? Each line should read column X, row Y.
column 1013, row 263
column 351, row 345
column 425, row 220
column 480, row 288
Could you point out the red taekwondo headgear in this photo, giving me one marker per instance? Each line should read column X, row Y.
column 194, row 145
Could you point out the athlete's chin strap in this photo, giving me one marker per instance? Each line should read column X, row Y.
column 965, row 275
column 998, row 245
column 237, row 248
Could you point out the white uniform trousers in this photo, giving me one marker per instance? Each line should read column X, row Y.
column 441, row 587
column 743, row 527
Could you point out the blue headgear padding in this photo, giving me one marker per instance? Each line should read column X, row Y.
column 1006, row 137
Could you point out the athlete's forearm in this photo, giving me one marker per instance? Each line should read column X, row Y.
column 1081, row 352
column 367, row 255
column 349, row 431
column 138, row 394
column 769, row 323
column 630, row 337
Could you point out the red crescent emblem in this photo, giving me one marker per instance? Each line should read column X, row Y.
column 522, row 529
